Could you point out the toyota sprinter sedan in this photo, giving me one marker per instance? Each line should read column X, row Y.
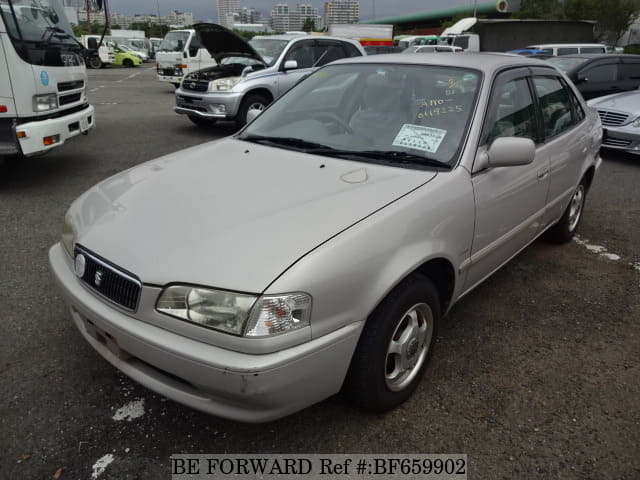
column 317, row 250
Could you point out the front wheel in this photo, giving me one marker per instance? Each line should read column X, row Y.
column 565, row 229
column 127, row 62
column 94, row 62
column 254, row 101
column 395, row 346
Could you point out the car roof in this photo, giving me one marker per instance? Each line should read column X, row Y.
column 485, row 61
column 587, row 56
column 298, row 36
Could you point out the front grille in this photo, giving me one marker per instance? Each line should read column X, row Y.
column 195, row 85
column 612, row 118
column 615, row 142
column 117, row 285
column 66, row 86
column 67, row 99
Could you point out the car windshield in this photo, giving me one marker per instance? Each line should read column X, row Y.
column 173, row 42
column 565, row 63
column 269, row 49
column 405, row 115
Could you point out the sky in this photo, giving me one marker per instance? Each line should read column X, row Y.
column 205, row 10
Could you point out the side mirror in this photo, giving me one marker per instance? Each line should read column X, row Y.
column 290, row 65
column 510, row 151
column 252, row 114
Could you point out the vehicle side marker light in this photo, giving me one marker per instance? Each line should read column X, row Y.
column 21, row 134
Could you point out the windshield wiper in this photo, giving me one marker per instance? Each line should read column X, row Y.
column 386, row 156
column 297, row 143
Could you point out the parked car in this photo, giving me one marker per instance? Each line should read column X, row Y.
column 381, row 49
column 559, row 49
column 250, row 75
column 123, row 57
column 531, row 51
column 620, row 117
column 317, row 250
column 432, row 49
column 138, row 53
column 599, row 75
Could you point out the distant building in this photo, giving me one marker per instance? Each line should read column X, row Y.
column 249, row 15
column 226, row 11
column 284, row 19
column 341, row 11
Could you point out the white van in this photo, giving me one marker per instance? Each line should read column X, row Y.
column 556, row 49
column 180, row 53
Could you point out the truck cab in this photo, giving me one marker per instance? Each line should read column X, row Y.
column 43, row 79
column 180, row 53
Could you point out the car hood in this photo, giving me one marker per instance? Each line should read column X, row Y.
column 623, row 102
column 221, row 42
column 230, row 214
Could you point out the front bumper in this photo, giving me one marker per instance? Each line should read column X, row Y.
column 625, row 138
column 208, row 105
column 239, row 386
column 64, row 127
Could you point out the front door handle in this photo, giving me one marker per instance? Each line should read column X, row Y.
column 543, row 173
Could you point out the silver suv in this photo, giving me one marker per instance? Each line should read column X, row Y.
column 251, row 75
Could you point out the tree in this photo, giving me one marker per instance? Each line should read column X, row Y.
column 309, row 25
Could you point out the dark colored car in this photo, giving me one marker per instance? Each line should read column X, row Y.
column 597, row 75
column 376, row 49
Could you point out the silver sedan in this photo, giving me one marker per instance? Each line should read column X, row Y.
column 317, row 250
column 620, row 116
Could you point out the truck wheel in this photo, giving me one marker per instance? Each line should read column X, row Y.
column 394, row 347
column 201, row 122
column 566, row 227
column 127, row 62
column 94, row 62
column 253, row 101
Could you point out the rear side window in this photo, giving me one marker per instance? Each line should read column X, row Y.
column 555, row 104
column 352, row 51
column 327, row 53
column 630, row 71
column 592, row 50
column 567, row 51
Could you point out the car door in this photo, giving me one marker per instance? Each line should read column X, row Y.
column 629, row 74
column 303, row 52
column 510, row 201
column 598, row 78
column 197, row 56
column 564, row 142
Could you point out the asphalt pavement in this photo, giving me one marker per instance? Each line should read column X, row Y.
column 535, row 374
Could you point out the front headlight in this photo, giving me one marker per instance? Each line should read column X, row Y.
column 636, row 122
column 68, row 236
column 223, row 84
column 236, row 313
column 42, row 103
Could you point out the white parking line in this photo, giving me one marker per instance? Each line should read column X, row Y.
column 133, row 75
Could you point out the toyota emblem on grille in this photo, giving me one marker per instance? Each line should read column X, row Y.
column 192, row 85
column 98, row 278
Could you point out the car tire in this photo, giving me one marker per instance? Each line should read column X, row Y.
column 394, row 347
column 564, row 230
column 255, row 100
column 94, row 62
column 127, row 62
column 201, row 122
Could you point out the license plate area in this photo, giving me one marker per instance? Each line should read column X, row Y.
column 104, row 338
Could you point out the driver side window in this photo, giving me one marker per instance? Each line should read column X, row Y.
column 511, row 111
column 302, row 53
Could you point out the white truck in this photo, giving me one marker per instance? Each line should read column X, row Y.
column 96, row 57
column 43, row 79
column 180, row 53
column 367, row 34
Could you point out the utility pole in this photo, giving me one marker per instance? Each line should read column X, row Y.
column 107, row 19
column 88, row 4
